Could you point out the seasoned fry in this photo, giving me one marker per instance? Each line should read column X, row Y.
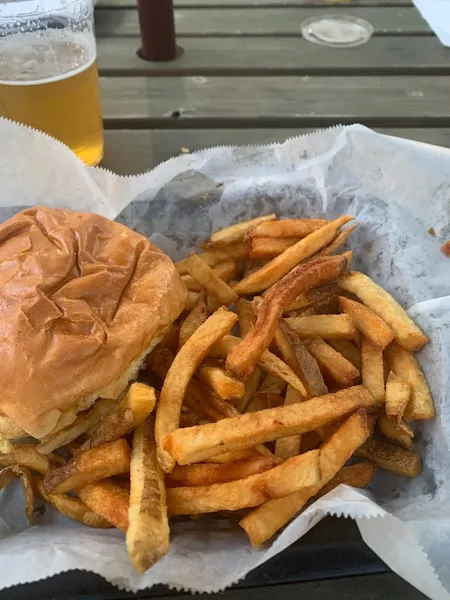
column 277, row 268
column 8, row 474
column 132, row 411
column 192, row 322
column 237, row 232
column 223, row 385
column 331, row 362
column 26, row 455
column 349, row 350
column 338, row 241
column 372, row 370
column 246, row 316
column 109, row 500
column 398, row 392
column 262, row 523
column 265, row 248
column 73, row 508
column 225, row 270
column 180, row 373
column 398, row 432
column 288, row 228
column 250, row 389
column 237, row 251
column 92, row 465
column 358, row 475
column 9, row 430
column 328, row 327
column 296, row 473
column 405, row 366
column 407, row 333
column 194, row 444
column 209, row 281
column 242, row 360
column 148, row 529
column 209, row 473
column 368, row 323
column 391, row 458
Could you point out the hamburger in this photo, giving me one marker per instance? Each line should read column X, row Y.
column 83, row 300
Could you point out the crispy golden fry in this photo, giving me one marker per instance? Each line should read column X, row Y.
column 262, row 523
column 194, row 444
column 225, row 270
column 26, row 455
column 328, row 327
column 349, row 350
column 192, row 322
column 338, row 241
column 237, row 251
column 405, row 366
column 407, row 333
column 391, row 458
column 109, row 500
column 289, row 446
column 246, row 316
column 9, row 430
column 235, row 456
column 277, row 268
column 170, row 340
column 265, row 248
column 313, row 296
column 243, row 359
column 326, row 306
column 372, row 370
column 331, row 362
column 398, row 432
column 132, row 411
column 92, row 465
column 180, row 373
column 263, row 400
column 238, row 232
column 368, row 323
column 268, row 362
column 209, row 281
column 191, row 301
column 250, row 389
column 296, row 473
column 209, row 473
column 398, row 392
column 148, row 529
column 288, row 228
column 223, row 385
column 8, row 474
column 358, row 475
column 73, row 508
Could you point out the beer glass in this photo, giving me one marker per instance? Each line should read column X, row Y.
column 48, row 72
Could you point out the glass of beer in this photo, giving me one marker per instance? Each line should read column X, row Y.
column 48, row 72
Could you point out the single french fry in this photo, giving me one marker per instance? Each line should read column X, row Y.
column 405, row 366
column 192, row 322
column 246, row 316
column 237, row 232
column 328, row 327
column 9, row 430
column 191, row 300
column 398, row 432
column 242, row 360
column 180, row 373
column 331, row 362
column 10, row 473
column 194, row 444
column 92, row 465
column 262, row 523
column 338, row 241
column 368, row 323
column 266, row 248
column 209, row 473
column 109, row 500
column 298, row 472
column 235, row 456
column 225, row 270
column 209, row 281
column 288, row 228
column 251, row 386
column 73, row 508
column 237, row 251
column 398, row 393
column 391, row 458
column 26, row 455
column 137, row 404
column 359, row 475
column 277, row 268
column 349, row 350
column 148, row 529
column 407, row 333
column 372, row 370
column 223, row 385
column 311, row 297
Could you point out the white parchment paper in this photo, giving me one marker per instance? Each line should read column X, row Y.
column 397, row 190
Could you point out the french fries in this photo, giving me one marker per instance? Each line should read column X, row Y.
column 287, row 228
column 148, row 529
column 358, row 475
column 349, row 350
column 313, row 296
column 398, row 392
column 92, row 465
column 107, row 499
column 289, row 446
column 338, row 241
column 296, row 473
column 331, row 362
column 12, row 472
column 372, row 370
column 407, row 333
column 246, row 316
column 225, row 270
column 377, row 332
column 398, row 432
column 265, row 248
column 26, row 455
column 223, row 385
column 390, row 458
column 209, row 281
column 194, row 444
column 337, row 327
column 192, row 322
column 237, row 232
column 237, row 251
column 181, row 371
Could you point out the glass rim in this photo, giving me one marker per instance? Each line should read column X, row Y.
column 36, row 13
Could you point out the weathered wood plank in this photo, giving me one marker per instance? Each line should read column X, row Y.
column 252, row 3
column 128, row 152
column 260, row 21
column 275, row 101
column 288, row 56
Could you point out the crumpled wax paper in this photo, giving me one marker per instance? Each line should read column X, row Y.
column 397, row 190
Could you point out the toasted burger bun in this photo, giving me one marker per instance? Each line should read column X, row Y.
column 82, row 301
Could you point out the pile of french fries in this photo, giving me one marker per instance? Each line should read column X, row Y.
column 285, row 366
